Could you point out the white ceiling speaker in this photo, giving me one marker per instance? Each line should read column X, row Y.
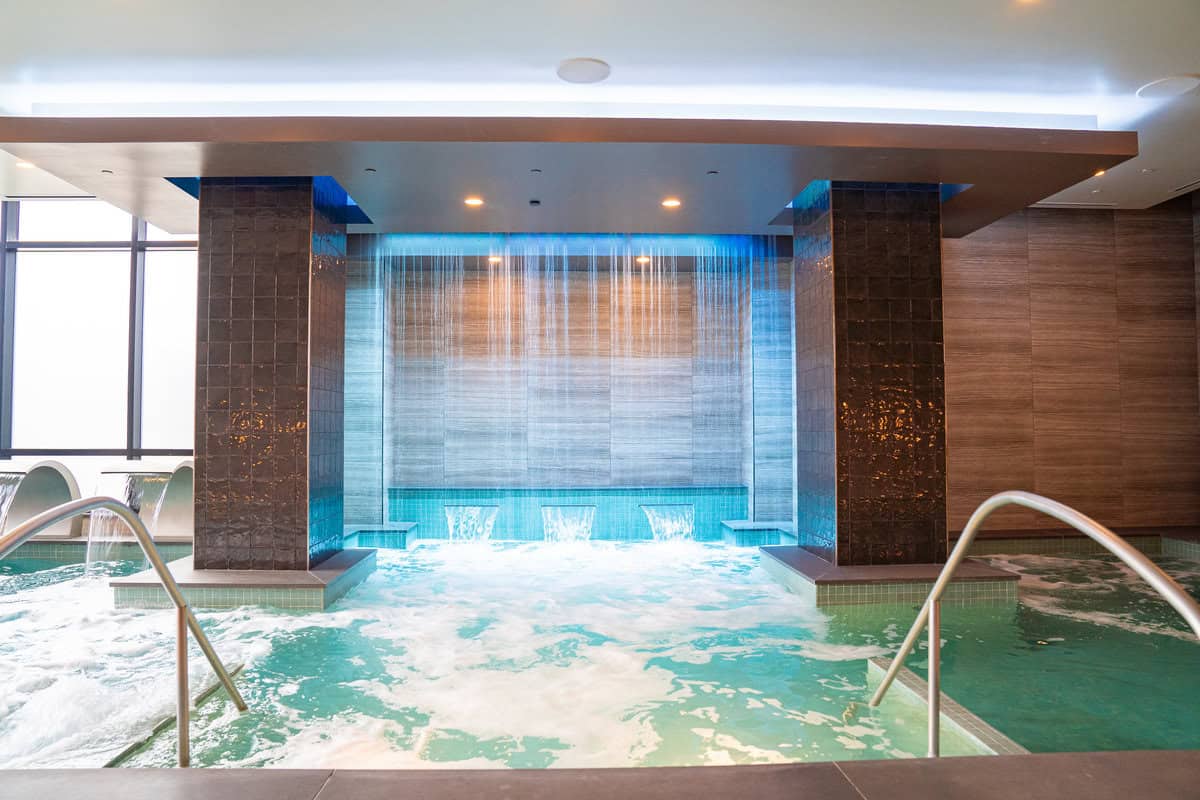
column 1173, row 86
column 584, row 70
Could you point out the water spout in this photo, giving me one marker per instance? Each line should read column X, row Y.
column 671, row 523
column 568, row 523
column 9, row 483
column 471, row 523
column 108, row 536
column 27, row 491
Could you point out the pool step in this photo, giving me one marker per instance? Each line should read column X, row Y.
column 168, row 722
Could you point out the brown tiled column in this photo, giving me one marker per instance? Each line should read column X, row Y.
column 270, row 350
column 870, row 399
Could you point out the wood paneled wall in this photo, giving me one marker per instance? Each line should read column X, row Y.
column 1071, row 365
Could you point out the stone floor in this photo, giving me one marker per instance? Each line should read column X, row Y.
column 1063, row 776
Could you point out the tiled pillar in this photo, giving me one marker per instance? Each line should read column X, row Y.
column 870, row 398
column 269, row 374
column 1196, row 258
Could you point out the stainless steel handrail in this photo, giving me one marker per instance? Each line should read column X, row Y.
column 185, row 619
column 930, row 613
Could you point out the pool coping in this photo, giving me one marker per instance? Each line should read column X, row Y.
column 1064, row 776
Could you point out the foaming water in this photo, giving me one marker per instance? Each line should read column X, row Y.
column 1100, row 590
column 473, row 654
column 585, row 653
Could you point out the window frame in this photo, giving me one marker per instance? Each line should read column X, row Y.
column 136, row 245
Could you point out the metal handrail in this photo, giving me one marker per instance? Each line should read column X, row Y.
column 185, row 619
column 930, row 613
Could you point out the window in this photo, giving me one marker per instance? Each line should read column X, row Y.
column 169, row 349
column 72, row 221
column 70, row 349
column 97, row 332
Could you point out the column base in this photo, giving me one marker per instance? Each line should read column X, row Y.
column 313, row 589
column 828, row 585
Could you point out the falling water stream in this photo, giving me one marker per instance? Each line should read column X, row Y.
column 671, row 523
column 568, row 523
column 564, row 360
column 471, row 523
column 9, row 483
column 108, row 535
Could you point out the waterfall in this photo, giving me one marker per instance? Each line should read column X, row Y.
column 561, row 360
column 108, row 535
column 568, row 523
column 471, row 523
column 671, row 523
column 9, row 482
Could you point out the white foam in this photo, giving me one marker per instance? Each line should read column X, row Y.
column 573, row 654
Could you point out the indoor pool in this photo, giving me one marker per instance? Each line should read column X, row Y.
column 585, row 654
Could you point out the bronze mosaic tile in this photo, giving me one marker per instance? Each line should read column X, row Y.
column 268, row 477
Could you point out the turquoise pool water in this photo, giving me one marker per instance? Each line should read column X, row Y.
column 1091, row 659
column 489, row 654
column 587, row 654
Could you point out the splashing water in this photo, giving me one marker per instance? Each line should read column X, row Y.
column 471, row 523
column 597, row 654
column 568, row 523
column 501, row 654
column 671, row 523
column 109, row 538
column 9, row 483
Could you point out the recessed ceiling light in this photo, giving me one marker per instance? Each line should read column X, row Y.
column 535, row 202
column 494, row 259
column 370, row 170
column 536, row 171
column 106, row 172
column 643, row 259
column 584, row 70
column 1099, row 173
column 25, row 165
column 474, row 201
column 1097, row 191
column 672, row 202
column 713, row 172
column 1148, row 170
column 1173, row 86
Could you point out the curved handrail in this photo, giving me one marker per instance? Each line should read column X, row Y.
column 1160, row 581
column 186, row 619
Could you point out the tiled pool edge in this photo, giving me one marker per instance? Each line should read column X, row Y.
column 883, row 592
column 74, row 551
column 1173, row 547
column 312, row 590
column 1150, row 544
column 954, row 715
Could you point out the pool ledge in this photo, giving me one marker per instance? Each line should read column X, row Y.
column 829, row 585
column 313, row 589
column 1062, row 776
column 914, row 691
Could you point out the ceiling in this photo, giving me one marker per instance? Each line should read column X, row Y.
column 1029, row 63
column 413, row 174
